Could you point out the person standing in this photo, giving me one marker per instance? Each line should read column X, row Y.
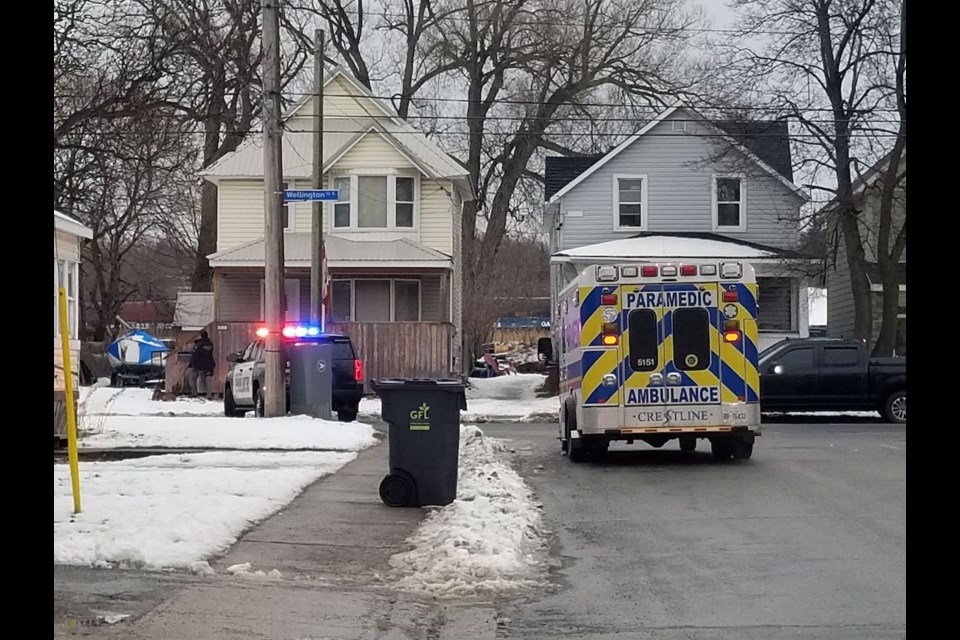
column 202, row 364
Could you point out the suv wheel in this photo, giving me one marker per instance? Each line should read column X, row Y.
column 258, row 402
column 895, row 407
column 347, row 414
column 229, row 405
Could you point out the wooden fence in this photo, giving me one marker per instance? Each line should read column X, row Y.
column 388, row 349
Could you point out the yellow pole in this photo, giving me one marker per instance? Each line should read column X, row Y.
column 71, row 407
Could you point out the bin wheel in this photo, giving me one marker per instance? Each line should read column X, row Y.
column 398, row 489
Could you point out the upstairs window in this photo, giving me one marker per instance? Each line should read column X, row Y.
column 728, row 204
column 376, row 202
column 630, row 198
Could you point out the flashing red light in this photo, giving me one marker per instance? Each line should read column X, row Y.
column 358, row 370
column 608, row 298
column 688, row 269
column 731, row 336
column 289, row 332
column 648, row 272
column 730, row 296
column 263, row 332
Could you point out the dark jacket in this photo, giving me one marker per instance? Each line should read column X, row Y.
column 202, row 357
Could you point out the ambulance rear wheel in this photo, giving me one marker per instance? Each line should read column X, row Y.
column 688, row 443
column 721, row 449
column 742, row 450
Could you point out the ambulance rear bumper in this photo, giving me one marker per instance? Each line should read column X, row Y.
column 700, row 420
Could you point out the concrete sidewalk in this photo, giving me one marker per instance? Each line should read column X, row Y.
column 332, row 545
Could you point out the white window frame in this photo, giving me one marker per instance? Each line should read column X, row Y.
column 393, row 297
column 644, row 208
column 289, row 185
column 72, row 270
column 715, row 204
column 286, row 290
column 391, row 176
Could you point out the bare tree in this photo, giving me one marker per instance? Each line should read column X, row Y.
column 824, row 65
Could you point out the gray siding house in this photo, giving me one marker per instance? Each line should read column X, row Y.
column 685, row 187
column 839, row 295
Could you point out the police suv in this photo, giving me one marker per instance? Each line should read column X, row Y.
column 656, row 351
column 245, row 377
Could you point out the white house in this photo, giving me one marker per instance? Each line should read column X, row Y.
column 68, row 235
column 684, row 187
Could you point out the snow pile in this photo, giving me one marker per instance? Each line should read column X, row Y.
column 289, row 432
column 243, row 571
column 489, row 541
column 173, row 511
column 131, row 401
column 508, row 398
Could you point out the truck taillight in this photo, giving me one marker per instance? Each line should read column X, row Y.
column 358, row 370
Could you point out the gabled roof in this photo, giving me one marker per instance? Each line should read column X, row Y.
column 676, row 245
column 765, row 143
column 340, row 251
column 872, row 174
column 65, row 223
column 340, row 134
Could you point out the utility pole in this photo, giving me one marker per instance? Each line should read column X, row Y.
column 316, row 244
column 274, row 398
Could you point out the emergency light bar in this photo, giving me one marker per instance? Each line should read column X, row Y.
column 628, row 272
column 293, row 331
column 649, row 271
column 688, row 269
column 606, row 273
column 730, row 270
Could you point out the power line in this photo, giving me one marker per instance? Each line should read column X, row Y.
column 586, row 104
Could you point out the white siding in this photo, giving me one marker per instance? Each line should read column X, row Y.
column 240, row 213
column 680, row 169
column 372, row 152
column 436, row 215
column 341, row 100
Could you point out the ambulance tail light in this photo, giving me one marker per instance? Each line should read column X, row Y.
column 730, row 296
column 610, row 337
column 730, row 270
column 688, row 269
column 648, row 272
column 608, row 298
column 731, row 325
column 263, row 332
column 607, row 273
column 731, row 337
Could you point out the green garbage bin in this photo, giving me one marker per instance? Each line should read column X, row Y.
column 424, row 435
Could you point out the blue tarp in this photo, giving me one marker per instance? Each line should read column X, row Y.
column 137, row 347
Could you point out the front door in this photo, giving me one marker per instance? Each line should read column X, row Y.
column 243, row 376
column 790, row 380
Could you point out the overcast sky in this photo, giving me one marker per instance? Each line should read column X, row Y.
column 720, row 15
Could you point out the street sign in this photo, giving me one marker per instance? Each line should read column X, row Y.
column 309, row 195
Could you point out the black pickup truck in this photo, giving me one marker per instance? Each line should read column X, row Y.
column 828, row 374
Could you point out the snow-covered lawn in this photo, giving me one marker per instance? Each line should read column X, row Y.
column 489, row 541
column 290, row 432
column 112, row 418
column 509, row 398
column 174, row 511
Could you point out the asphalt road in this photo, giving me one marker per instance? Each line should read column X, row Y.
column 805, row 541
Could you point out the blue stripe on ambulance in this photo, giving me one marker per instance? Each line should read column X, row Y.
column 589, row 306
column 600, row 394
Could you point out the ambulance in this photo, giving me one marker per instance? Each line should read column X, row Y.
column 659, row 351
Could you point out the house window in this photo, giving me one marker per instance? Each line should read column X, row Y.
column 376, row 202
column 291, row 300
column 371, row 300
column 342, row 208
column 630, row 195
column 775, row 310
column 341, row 303
column 728, row 209
column 288, row 210
column 66, row 275
column 404, row 201
column 406, row 300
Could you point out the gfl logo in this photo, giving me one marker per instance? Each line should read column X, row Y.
column 421, row 413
